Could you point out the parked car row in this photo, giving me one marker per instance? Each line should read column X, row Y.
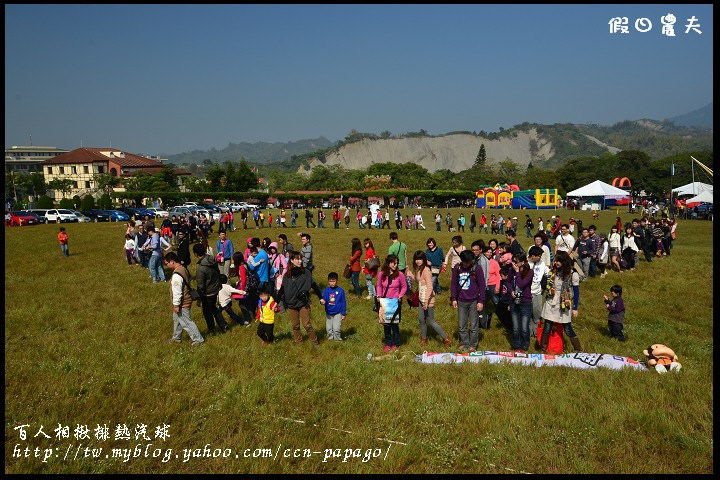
column 55, row 215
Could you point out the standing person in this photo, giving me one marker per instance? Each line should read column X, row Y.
column 242, row 284
column 391, row 288
column 293, row 217
column 584, row 247
column 225, row 250
column 448, row 221
column 435, row 258
column 321, row 218
column 597, row 242
column 480, row 261
column 231, row 220
column 614, row 244
column 278, row 267
column 493, row 225
column 63, row 240
column 514, row 224
column 513, row 244
column 541, row 273
column 398, row 220
column 438, row 220
column 243, row 217
column 561, row 301
column 564, row 242
column 386, row 223
column 461, row 222
column 504, row 298
column 174, row 228
column 262, row 219
column 369, row 274
column 528, row 226
column 336, row 217
column 154, row 244
column 265, row 316
column 270, row 219
column 309, row 218
column 426, row 296
column 193, row 225
column 183, row 249
column 359, row 217
column 399, row 249
column 492, row 288
column 130, row 247
column 500, row 223
column 181, row 302
column 616, row 312
column 541, row 225
column 603, row 257
column 166, row 229
column 208, row 285
column 333, row 297
column 646, row 228
column 258, row 262
column 283, row 218
column 206, row 247
column 346, row 217
column 294, row 295
column 286, row 247
column 629, row 248
column 467, row 292
column 140, row 238
column 473, row 223
column 354, row 263
column 307, row 259
column 539, row 240
column 256, row 217
column 453, row 256
column 521, row 308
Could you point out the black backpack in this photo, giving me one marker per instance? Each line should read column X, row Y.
column 252, row 281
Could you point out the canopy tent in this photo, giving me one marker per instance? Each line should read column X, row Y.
column 704, row 197
column 693, row 188
column 599, row 189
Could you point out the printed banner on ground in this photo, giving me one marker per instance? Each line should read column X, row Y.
column 574, row 360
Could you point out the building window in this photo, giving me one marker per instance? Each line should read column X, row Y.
column 101, row 169
column 49, row 170
column 62, row 169
column 87, row 184
column 113, row 172
column 74, row 184
column 85, row 169
column 74, row 169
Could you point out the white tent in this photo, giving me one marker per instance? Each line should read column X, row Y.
column 704, row 197
column 691, row 189
column 599, row 189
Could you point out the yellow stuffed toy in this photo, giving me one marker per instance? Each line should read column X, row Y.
column 662, row 358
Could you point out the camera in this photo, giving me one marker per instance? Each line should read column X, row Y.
column 518, row 295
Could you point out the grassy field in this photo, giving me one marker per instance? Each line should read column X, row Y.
column 84, row 345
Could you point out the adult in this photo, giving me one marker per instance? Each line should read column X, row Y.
column 521, row 307
column 321, row 218
column 646, row 227
column 154, row 245
column 528, row 226
column 256, row 217
column 480, row 261
column 148, row 222
column 166, row 230
column 629, row 248
column 307, row 259
column 398, row 220
column 207, row 276
column 193, row 226
column 565, row 241
column 399, row 249
column 541, row 271
column 467, row 292
column 283, row 246
column 391, row 288
column 435, row 257
column 309, row 218
column 295, row 298
column 278, row 267
column 140, row 253
column 283, row 218
column 354, row 262
column 492, row 285
column 473, row 223
column 346, row 217
column 515, row 247
column 597, row 243
column 243, row 217
column 174, row 228
column 584, row 247
column 293, row 217
column 426, row 297
column 562, row 300
column 438, row 221
column 483, row 222
column 259, row 263
column 453, row 256
column 360, row 219
column 183, row 249
column 541, row 240
column 386, row 222
column 369, row 274
column 181, row 302
column 336, row 217
column 614, row 244
column 225, row 249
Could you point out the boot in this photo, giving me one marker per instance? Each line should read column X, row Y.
column 544, row 342
column 576, row 344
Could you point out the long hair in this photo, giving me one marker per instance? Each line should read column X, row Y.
column 370, row 244
column 566, row 268
column 295, row 271
column 419, row 255
column 521, row 257
column 356, row 245
column 386, row 267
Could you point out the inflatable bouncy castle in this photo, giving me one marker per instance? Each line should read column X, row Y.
column 510, row 196
column 624, row 184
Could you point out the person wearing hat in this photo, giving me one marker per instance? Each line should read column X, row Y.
column 514, row 223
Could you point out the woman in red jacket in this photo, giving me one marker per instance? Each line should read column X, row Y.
column 369, row 274
column 354, row 262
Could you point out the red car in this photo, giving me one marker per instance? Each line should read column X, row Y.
column 22, row 218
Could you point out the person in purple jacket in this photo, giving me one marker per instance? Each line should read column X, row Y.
column 521, row 306
column 616, row 312
column 467, row 292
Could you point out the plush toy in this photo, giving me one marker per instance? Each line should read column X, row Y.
column 662, row 358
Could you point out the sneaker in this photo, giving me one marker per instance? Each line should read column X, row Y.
column 471, row 349
column 173, row 340
column 386, row 349
column 447, row 341
column 368, row 297
column 225, row 328
column 423, row 342
column 462, row 348
column 196, row 343
column 393, row 349
column 264, row 342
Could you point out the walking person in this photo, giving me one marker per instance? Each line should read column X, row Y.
column 181, row 302
column 426, row 296
column 295, row 297
column 435, row 257
column 225, row 250
column 207, row 277
column 354, row 263
column 154, row 244
column 561, row 300
column 309, row 218
column 63, row 240
column 346, row 217
column 369, row 274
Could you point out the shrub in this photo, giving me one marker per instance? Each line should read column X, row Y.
column 67, row 203
column 77, row 201
column 45, row 202
column 88, row 202
column 105, row 202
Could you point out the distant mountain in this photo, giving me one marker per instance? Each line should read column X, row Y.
column 702, row 117
column 258, row 152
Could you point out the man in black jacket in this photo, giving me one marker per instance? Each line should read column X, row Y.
column 140, row 239
column 208, row 286
column 193, row 227
column 183, row 249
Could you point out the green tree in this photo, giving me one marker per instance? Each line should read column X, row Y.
column 106, row 182
column 44, row 202
column 385, row 134
column 481, row 159
column 245, row 179
column 63, row 185
column 215, row 177
column 33, row 183
column 88, row 202
column 105, row 201
column 66, row 203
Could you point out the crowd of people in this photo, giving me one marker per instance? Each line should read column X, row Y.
column 539, row 286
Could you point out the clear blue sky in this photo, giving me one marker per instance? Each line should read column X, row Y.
column 163, row 79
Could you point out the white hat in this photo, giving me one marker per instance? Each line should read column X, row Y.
column 514, row 218
column 553, row 216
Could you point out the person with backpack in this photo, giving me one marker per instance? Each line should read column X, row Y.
column 207, row 277
column 453, row 256
column 309, row 218
column 399, row 249
column 467, row 292
column 182, row 302
column 528, row 226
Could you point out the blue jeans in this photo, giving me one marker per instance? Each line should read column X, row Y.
column 436, row 283
column 64, row 249
column 354, row 278
column 156, row 268
column 547, row 328
column 521, row 314
column 360, row 224
column 593, row 267
column 228, row 308
column 370, row 286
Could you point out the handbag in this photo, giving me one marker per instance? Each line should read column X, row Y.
column 347, row 273
column 219, row 258
column 194, row 295
column 414, row 299
column 372, row 264
column 435, row 270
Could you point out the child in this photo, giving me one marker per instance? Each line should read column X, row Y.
column 130, row 247
column 503, row 306
column 266, row 315
column 63, row 239
column 504, row 254
column 225, row 296
column 616, row 312
column 333, row 297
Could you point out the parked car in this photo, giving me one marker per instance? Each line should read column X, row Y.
column 158, row 212
column 177, row 211
column 20, row 218
column 97, row 215
column 61, row 216
column 40, row 213
column 81, row 217
column 117, row 216
column 138, row 213
column 189, row 204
